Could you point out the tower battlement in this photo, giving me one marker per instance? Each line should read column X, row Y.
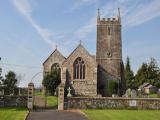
column 103, row 21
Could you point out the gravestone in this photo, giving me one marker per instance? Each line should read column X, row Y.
column 69, row 92
column 158, row 93
column 133, row 103
column 2, row 87
column 1, row 101
column 128, row 93
column 133, row 93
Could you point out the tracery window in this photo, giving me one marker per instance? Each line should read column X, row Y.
column 55, row 66
column 79, row 69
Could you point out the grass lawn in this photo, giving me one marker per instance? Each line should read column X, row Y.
column 52, row 101
column 38, row 94
column 122, row 114
column 153, row 96
column 12, row 113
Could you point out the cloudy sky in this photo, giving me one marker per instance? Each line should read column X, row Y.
column 31, row 29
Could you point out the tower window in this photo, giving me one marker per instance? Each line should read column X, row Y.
column 79, row 69
column 109, row 31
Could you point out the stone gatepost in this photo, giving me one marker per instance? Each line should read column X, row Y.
column 30, row 96
column 61, row 97
column 61, row 89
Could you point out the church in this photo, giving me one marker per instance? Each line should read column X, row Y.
column 92, row 75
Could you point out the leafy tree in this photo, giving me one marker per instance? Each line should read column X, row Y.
column 153, row 72
column 52, row 80
column 112, row 87
column 158, row 82
column 10, row 81
column 1, row 78
column 129, row 75
column 148, row 73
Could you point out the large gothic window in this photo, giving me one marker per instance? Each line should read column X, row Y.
column 79, row 69
column 56, row 67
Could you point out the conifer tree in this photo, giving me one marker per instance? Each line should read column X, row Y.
column 149, row 73
column 142, row 75
column 129, row 75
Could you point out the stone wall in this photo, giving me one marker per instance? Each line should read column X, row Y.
column 112, row 103
column 13, row 101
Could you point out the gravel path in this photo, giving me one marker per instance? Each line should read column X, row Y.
column 39, row 101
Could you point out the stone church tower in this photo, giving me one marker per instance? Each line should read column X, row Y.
column 109, row 55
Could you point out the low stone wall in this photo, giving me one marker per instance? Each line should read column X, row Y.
column 112, row 103
column 13, row 101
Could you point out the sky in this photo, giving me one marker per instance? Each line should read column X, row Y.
column 30, row 30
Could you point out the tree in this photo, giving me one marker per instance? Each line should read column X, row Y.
column 148, row 73
column 112, row 87
column 1, row 78
column 158, row 82
column 129, row 75
column 10, row 81
column 52, row 80
column 142, row 75
column 153, row 72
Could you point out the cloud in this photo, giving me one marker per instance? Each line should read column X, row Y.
column 25, row 9
column 143, row 13
column 79, row 3
column 134, row 13
column 85, row 30
column 47, row 36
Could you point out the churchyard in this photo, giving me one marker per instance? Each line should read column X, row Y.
column 91, row 114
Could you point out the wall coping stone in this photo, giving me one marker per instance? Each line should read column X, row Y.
column 115, row 98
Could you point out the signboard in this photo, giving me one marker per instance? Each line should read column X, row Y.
column 132, row 103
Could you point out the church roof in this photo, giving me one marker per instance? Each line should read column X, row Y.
column 79, row 46
column 56, row 50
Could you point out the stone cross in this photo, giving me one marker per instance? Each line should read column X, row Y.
column 69, row 92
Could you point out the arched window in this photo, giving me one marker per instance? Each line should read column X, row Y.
column 55, row 66
column 79, row 69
